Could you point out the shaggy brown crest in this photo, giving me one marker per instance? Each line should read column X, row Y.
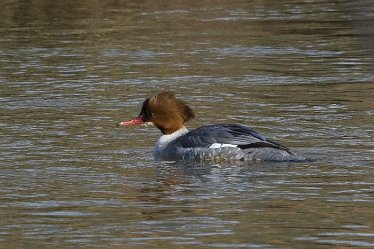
column 166, row 112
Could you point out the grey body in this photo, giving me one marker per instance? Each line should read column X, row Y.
column 221, row 142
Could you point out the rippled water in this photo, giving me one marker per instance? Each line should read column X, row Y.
column 300, row 72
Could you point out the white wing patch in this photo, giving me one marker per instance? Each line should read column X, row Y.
column 218, row 145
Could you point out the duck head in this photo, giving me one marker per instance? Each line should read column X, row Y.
column 163, row 111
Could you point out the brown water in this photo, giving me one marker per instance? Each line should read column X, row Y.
column 300, row 72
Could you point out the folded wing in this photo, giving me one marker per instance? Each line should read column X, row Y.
column 228, row 136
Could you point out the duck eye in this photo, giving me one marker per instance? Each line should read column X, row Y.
column 152, row 114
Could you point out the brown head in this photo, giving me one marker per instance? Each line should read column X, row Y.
column 164, row 111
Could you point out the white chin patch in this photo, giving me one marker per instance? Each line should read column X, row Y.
column 218, row 145
column 148, row 124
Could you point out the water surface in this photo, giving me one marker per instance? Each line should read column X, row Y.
column 300, row 72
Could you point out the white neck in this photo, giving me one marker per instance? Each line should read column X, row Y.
column 164, row 140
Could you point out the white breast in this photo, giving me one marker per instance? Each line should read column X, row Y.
column 164, row 140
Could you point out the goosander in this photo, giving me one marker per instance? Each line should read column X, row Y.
column 210, row 142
